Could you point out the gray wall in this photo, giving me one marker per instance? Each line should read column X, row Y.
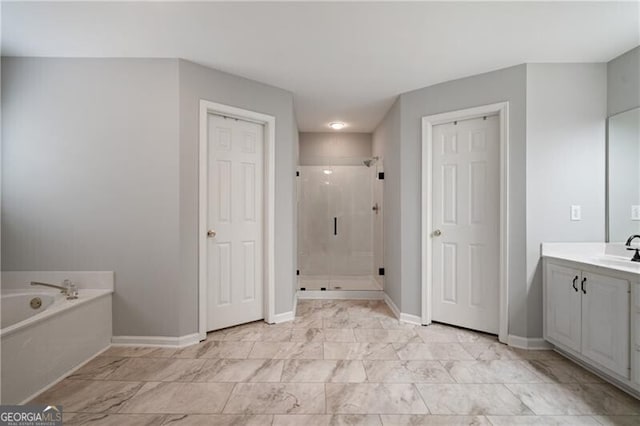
column 100, row 173
column 502, row 85
column 387, row 144
column 90, row 176
column 337, row 148
column 566, row 115
column 623, row 82
column 556, row 158
column 198, row 82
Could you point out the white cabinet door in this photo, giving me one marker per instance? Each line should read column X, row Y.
column 635, row 334
column 605, row 321
column 562, row 295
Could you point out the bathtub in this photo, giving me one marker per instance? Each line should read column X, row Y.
column 42, row 344
column 17, row 306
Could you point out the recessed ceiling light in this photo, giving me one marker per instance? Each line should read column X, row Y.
column 327, row 171
column 337, row 125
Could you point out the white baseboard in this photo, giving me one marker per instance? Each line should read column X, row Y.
column 284, row 317
column 159, row 341
column 531, row 343
column 410, row 319
column 287, row 316
column 392, row 306
column 341, row 294
column 64, row 376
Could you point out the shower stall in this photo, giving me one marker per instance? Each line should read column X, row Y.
column 340, row 227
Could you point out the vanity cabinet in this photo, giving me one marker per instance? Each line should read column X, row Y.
column 587, row 314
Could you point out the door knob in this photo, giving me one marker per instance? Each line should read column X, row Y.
column 437, row 233
column 211, row 233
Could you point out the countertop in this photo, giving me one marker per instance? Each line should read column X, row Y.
column 612, row 256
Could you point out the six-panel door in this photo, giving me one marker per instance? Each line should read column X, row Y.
column 466, row 219
column 235, row 221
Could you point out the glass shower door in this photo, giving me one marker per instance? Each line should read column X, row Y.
column 350, row 200
column 335, row 227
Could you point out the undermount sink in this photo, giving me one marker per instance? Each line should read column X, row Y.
column 616, row 261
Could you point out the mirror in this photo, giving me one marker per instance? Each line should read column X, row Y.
column 623, row 175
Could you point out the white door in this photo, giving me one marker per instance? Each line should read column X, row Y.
column 605, row 321
column 465, row 223
column 563, row 305
column 235, row 222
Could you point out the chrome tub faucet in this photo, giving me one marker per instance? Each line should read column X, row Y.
column 68, row 288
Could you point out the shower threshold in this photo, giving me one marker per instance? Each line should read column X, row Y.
column 338, row 283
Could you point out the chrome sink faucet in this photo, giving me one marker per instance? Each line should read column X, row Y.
column 636, row 256
column 68, row 288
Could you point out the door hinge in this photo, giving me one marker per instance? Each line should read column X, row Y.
column 297, row 174
column 380, row 271
column 297, row 271
column 380, row 175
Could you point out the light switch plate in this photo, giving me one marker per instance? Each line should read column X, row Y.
column 576, row 213
column 635, row 212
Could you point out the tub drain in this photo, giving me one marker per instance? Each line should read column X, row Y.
column 35, row 303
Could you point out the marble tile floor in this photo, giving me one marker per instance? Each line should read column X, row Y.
column 343, row 362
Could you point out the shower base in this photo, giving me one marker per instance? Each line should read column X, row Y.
column 340, row 283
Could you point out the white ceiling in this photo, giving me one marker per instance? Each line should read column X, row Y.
column 342, row 61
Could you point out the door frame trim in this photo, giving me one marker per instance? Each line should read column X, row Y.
column 269, row 122
column 502, row 109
